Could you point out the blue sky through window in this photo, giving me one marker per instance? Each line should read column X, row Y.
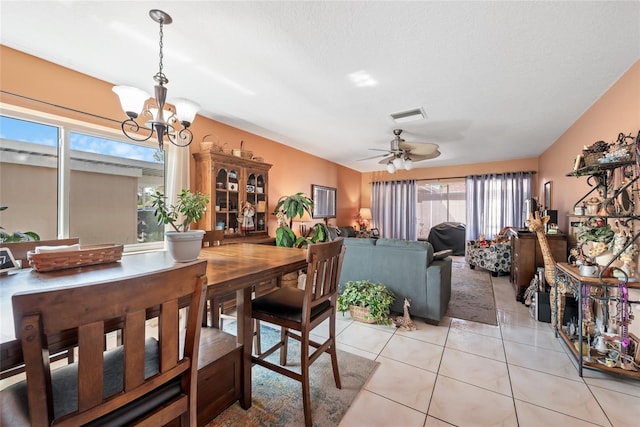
column 38, row 133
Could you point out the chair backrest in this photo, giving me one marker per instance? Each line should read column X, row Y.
column 212, row 238
column 103, row 384
column 19, row 249
column 324, row 263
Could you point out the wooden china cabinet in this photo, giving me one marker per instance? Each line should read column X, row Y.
column 231, row 181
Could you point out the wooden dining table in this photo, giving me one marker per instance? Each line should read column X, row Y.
column 230, row 268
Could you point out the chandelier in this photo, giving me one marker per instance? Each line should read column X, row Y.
column 172, row 122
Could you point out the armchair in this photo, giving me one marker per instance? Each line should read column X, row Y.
column 496, row 257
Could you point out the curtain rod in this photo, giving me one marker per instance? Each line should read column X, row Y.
column 59, row 106
column 451, row 177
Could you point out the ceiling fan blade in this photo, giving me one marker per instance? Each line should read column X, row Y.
column 378, row 149
column 387, row 160
column 420, row 149
column 372, row 157
column 420, row 157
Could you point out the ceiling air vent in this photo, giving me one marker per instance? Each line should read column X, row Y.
column 408, row 116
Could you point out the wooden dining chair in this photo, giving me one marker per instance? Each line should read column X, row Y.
column 145, row 381
column 302, row 310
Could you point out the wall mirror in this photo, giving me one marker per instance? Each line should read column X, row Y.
column 324, row 201
column 547, row 195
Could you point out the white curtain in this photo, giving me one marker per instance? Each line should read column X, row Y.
column 393, row 208
column 495, row 201
column 177, row 175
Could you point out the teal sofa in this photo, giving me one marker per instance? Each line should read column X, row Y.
column 408, row 268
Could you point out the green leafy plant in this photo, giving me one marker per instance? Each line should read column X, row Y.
column 189, row 209
column 363, row 293
column 16, row 236
column 595, row 230
column 288, row 208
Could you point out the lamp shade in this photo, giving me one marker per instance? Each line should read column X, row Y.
column 408, row 164
column 390, row 167
column 365, row 213
column 185, row 110
column 132, row 99
column 397, row 162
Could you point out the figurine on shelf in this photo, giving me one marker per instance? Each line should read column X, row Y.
column 246, row 219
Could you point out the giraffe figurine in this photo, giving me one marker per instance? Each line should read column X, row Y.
column 404, row 322
column 536, row 225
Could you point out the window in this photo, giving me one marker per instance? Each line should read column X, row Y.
column 438, row 203
column 64, row 179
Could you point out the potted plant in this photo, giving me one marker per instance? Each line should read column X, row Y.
column 600, row 233
column 288, row 208
column 16, row 236
column 367, row 301
column 183, row 244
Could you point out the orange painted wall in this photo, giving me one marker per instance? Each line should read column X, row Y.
column 292, row 171
column 618, row 110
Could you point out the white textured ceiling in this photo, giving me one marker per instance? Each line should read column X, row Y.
column 498, row 80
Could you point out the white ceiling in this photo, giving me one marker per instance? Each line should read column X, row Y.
column 497, row 80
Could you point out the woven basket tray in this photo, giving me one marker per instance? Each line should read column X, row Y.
column 591, row 158
column 87, row 255
column 361, row 314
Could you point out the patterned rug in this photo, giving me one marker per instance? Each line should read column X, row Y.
column 472, row 295
column 277, row 400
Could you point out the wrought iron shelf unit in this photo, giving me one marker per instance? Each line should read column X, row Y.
column 588, row 288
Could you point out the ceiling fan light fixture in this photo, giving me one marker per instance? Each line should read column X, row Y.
column 391, row 168
column 398, row 163
column 408, row 164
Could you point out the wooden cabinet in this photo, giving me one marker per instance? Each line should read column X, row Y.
column 231, row 181
column 526, row 256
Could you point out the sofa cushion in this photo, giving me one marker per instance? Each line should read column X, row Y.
column 409, row 244
column 354, row 241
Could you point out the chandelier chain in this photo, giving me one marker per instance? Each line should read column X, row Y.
column 160, row 77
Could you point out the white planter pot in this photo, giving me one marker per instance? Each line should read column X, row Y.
column 184, row 246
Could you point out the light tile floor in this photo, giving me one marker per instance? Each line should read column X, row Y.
column 471, row 374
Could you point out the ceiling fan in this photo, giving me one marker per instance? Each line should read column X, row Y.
column 402, row 154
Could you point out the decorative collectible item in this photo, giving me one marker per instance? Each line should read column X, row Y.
column 404, row 322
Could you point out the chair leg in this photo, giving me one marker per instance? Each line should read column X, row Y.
column 256, row 337
column 333, row 351
column 304, row 370
column 284, row 339
column 205, row 313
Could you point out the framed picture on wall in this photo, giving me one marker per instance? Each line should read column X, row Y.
column 324, row 201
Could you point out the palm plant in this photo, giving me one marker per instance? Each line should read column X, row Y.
column 286, row 210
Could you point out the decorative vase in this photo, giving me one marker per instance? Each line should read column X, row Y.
column 184, row 246
column 604, row 258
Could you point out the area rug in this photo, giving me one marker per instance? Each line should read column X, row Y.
column 277, row 400
column 472, row 295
